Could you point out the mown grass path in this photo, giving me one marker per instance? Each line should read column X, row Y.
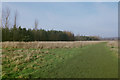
column 93, row 61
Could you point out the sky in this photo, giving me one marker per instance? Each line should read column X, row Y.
column 83, row 18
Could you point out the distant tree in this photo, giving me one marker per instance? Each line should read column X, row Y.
column 5, row 24
column 35, row 30
column 15, row 29
column 86, row 38
column 36, row 24
column 5, row 17
column 15, row 18
column 70, row 35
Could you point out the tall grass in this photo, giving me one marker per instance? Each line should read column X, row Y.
column 47, row 45
column 113, row 45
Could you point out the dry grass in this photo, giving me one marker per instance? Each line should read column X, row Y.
column 47, row 45
column 113, row 45
column 21, row 57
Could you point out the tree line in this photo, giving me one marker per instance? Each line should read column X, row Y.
column 16, row 33
column 87, row 38
column 22, row 34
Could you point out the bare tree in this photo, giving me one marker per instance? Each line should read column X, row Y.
column 15, row 18
column 6, row 22
column 5, row 18
column 36, row 24
column 0, row 16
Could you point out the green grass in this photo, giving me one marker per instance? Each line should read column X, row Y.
column 92, row 61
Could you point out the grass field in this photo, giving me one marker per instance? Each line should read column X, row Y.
column 88, row 61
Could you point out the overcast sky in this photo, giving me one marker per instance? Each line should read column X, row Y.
column 84, row 18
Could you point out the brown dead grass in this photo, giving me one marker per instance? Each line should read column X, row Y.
column 114, row 46
column 47, row 45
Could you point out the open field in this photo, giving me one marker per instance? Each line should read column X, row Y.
column 79, row 59
column 59, row 40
